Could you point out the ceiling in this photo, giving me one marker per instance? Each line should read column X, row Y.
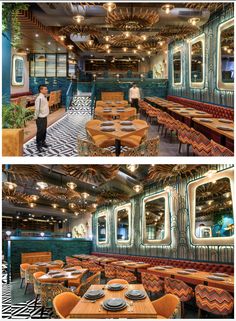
column 150, row 27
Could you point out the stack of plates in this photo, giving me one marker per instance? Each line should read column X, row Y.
column 70, row 269
column 54, row 263
column 76, row 272
column 107, row 123
column 159, row 268
column 216, row 278
column 115, row 287
column 200, row 112
column 206, row 120
column 119, row 110
column 135, row 295
column 60, row 275
column 183, row 272
column 53, row 272
column 225, row 121
column 191, row 270
column 168, row 267
column 107, row 110
column 221, row 274
column 94, row 294
column 128, row 128
column 40, row 263
column 126, row 122
column 114, row 304
column 225, row 128
column 107, row 129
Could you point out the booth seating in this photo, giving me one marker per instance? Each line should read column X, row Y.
column 112, row 95
column 215, row 110
column 201, row 266
column 26, row 93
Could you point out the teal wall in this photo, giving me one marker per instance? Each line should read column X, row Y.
column 6, row 66
column 60, row 248
column 180, row 246
column 209, row 93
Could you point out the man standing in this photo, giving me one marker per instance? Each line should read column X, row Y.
column 41, row 113
column 134, row 96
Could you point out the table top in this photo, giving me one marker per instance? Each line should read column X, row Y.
column 139, row 125
column 105, row 260
column 215, row 123
column 199, row 277
column 163, row 102
column 113, row 103
column 115, row 112
column 67, row 276
column 84, row 256
column 85, row 309
column 190, row 112
column 46, row 265
column 131, row 264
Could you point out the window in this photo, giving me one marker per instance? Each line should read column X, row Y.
column 123, row 223
column 225, row 68
column 211, row 209
column 102, row 228
column 177, row 68
column 197, row 61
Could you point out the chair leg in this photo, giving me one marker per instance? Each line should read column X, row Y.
column 199, row 313
column 36, row 300
column 26, row 286
column 182, row 310
column 171, row 136
column 165, row 132
column 21, row 284
column 180, row 145
column 188, row 146
column 41, row 314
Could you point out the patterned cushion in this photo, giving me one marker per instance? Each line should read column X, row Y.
column 49, row 291
column 94, row 279
column 149, row 147
column 29, row 274
column 71, row 261
column 122, row 273
column 219, row 150
column 152, row 282
column 86, row 148
column 214, row 300
column 110, row 271
column 179, row 288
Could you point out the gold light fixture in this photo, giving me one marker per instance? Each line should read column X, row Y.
column 194, row 21
column 79, row 18
column 132, row 167
column 135, row 51
column 10, row 186
column 71, row 185
column 85, row 195
column 76, row 213
column 32, row 205
column 70, row 47
column 34, row 197
column 144, row 37
column 107, row 38
column 139, row 47
column 138, row 188
column 42, row 185
column 127, row 34
column 167, row 8
column 72, row 205
column 63, row 210
column 90, row 42
column 108, row 51
column 210, row 173
column 54, row 205
column 109, row 6
column 125, row 49
column 94, row 205
column 107, row 46
column 62, row 38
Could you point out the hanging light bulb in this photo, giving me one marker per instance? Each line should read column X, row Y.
column 90, row 42
column 85, row 195
column 125, row 49
column 78, row 18
column 167, row 8
column 109, row 6
column 138, row 188
column 71, row 185
column 144, row 37
column 32, row 205
column 10, row 186
column 35, row 197
column 132, row 167
column 62, row 37
column 194, row 21
column 54, row 205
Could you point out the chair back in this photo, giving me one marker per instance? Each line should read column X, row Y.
column 152, row 282
column 52, row 99
column 118, row 281
column 94, row 267
column 94, row 279
column 122, row 273
column 168, row 307
column 23, row 268
column 214, row 300
column 60, row 263
column 29, row 272
column 110, row 271
column 71, row 261
column 149, row 147
column 63, row 303
column 201, row 144
column 219, row 150
column 49, row 291
column 37, row 283
column 86, row 148
column 179, row 288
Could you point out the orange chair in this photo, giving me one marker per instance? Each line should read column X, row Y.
column 110, row 271
column 63, row 303
column 37, row 286
column 219, row 150
column 122, row 273
column 23, row 268
column 119, row 281
column 152, row 283
column 168, row 307
column 29, row 272
column 52, row 100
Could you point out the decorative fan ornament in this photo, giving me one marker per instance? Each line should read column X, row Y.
column 109, row 197
column 80, row 30
column 121, row 41
column 132, row 19
column 94, row 47
column 204, row 6
column 24, row 173
column 153, row 46
column 92, row 174
column 18, row 199
column 59, row 194
column 176, row 32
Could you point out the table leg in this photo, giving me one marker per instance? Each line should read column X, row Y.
column 117, row 145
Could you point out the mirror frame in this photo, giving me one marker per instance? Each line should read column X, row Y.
column 127, row 206
column 103, row 213
column 167, row 239
column 191, row 191
column 200, row 38
column 177, row 84
column 220, row 84
column 13, row 74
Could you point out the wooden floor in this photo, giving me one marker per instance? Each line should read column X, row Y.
column 30, row 129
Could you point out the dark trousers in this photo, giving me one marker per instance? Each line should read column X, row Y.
column 134, row 103
column 41, row 124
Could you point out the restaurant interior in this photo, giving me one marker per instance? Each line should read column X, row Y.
column 180, row 56
column 118, row 241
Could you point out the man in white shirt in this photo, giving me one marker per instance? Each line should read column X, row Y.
column 134, row 96
column 41, row 113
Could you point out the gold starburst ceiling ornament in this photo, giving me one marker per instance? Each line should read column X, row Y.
column 154, row 45
column 110, row 197
column 172, row 32
column 132, row 19
column 120, row 41
column 24, row 173
column 203, row 5
column 82, row 30
column 18, row 199
column 92, row 174
column 94, row 47
column 59, row 194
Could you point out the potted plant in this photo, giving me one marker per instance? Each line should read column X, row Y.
column 14, row 118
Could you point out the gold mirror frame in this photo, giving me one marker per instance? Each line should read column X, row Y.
column 191, row 190
column 117, row 209
column 201, row 84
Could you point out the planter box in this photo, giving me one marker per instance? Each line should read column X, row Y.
column 12, row 142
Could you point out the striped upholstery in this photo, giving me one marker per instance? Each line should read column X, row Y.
column 86, row 148
column 149, row 147
column 94, row 279
column 214, row 300
column 94, row 267
column 122, row 273
column 70, row 261
column 201, row 144
column 49, row 291
column 219, row 150
column 85, row 264
column 110, row 271
column 152, row 282
column 178, row 288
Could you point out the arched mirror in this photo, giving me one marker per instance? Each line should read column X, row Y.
column 197, row 61
column 211, row 209
column 102, row 228
column 156, row 219
column 225, row 66
column 123, row 223
column 177, row 67
column 17, row 71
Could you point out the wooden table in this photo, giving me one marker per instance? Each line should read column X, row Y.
column 46, row 266
column 118, row 134
column 163, row 103
column 112, row 103
column 115, row 113
column 186, row 114
column 199, row 277
column 105, row 260
column 46, row 278
column 141, row 309
column 211, row 130
column 84, row 256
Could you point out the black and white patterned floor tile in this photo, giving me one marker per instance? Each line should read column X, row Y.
column 61, row 137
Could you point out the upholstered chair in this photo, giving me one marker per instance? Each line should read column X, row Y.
column 37, row 286
column 94, row 279
column 63, row 303
column 110, row 271
column 214, row 300
column 29, row 279
column 118, row 281
column 168, row 307
column 219, row 150
column 122, row 273
column 86, row 148
column 149, row 147
column 152, row 283
column 23, row 268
